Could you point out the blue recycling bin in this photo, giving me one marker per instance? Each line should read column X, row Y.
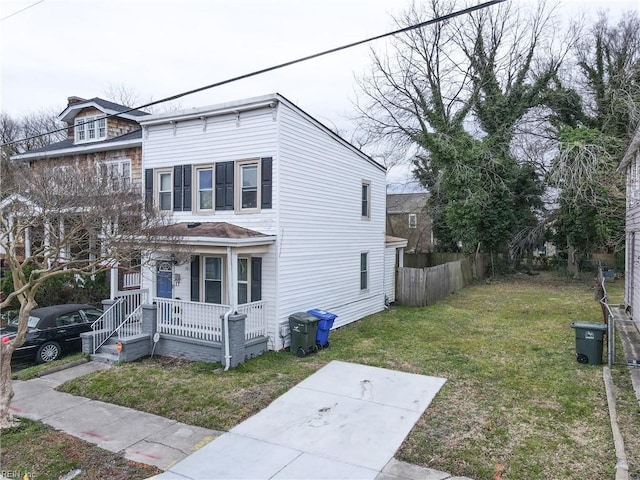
column 325, row 322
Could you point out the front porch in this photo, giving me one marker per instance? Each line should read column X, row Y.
column 134, row 326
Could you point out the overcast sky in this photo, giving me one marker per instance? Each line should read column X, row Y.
column 158, row 48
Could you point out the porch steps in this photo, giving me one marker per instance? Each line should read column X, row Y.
column 107, row 353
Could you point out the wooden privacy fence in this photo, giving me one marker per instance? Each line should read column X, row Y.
column 417, row 287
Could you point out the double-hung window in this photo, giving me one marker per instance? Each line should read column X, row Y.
column 213, row 280
column 205, row 188
column 116, row 174
column 243, row 280
column 249, row 174
column 165, row 190
column 90, row 128
column 366, row 200
column 413, row 220
column 364, row 271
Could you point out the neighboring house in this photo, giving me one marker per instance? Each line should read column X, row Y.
column 276, row 214
column 631, row 164
column 102, row 135
column 407, row 217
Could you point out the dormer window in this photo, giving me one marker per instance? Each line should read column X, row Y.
column 90, row 129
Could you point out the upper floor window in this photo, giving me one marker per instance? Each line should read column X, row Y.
column 249, row 186
column 117, row 174
column 413, row 220
column 366, row 199
column 205, row 188
column 236, row 186
column 89, row 129
column 165, row 191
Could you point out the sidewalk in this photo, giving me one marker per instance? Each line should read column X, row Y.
column 345, row 421
column 141, row 437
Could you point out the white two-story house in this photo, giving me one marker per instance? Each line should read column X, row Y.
column 631, row 165
column 274, row 212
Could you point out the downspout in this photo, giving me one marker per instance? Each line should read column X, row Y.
column 230, row 283
column 227, row 353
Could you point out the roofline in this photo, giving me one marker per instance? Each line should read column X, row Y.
column 98, row 147
column 223, row 242
column 86, row 104
column 237, row 106
column 633, row 148
column 254, row 103
column 395, row 242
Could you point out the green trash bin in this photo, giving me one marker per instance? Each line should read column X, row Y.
column 589, row 342
column 303, row 327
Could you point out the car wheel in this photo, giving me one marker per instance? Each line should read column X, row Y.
column 48, row 352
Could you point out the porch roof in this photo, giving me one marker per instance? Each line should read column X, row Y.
column 215, row 234
column 396, row 242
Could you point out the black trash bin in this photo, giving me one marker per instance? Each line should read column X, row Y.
column 303, row 327
column 589, row 341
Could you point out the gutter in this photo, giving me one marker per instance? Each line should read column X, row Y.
column 103, row 147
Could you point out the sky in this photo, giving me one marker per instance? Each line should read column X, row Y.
column 157, row 48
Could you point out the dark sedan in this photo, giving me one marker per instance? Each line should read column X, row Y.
column 52, row 331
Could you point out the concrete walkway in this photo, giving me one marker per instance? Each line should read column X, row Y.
column 141, row 437
column 346, row 421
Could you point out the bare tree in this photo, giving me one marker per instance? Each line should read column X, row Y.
column 451, row 96
column 130, row 97
column 59, row 221
column 16, row 132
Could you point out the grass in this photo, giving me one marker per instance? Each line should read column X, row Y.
column 38, row 452
column 515, row 398
column 37, row 370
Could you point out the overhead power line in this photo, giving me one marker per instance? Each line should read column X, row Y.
column 286, row 64
column 21, row 10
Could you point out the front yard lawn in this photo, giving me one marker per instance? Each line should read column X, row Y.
column 515, row 399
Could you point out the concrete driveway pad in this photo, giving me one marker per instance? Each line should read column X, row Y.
column 345, row 421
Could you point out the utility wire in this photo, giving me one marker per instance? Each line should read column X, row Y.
column 285, row 64
column 22, row 10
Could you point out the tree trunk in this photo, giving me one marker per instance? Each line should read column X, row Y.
column 6, row 388
column 573, row 263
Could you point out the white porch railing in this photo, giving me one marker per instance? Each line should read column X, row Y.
column 131, row 279
column 202, row 320
column 256, row 323
column 131, row 300
column 106, row 324
column 190, row 319
column 122, row 311
column 132, row 325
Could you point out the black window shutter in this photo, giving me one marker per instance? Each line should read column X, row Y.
column 177, row 188
column 186, row 183
column 256, row 279
column 224, row 186
column 148, row 187
column 266, row 182
column 195, row 278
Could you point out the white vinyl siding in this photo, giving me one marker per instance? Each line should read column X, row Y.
column 320, row 216
column 316, row 212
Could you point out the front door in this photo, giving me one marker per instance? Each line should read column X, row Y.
column 164, row 288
